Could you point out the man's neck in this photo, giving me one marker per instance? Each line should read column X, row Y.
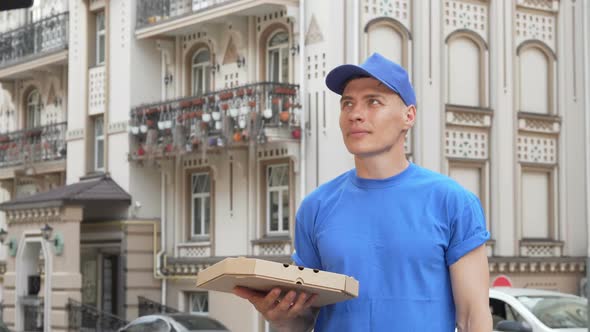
column 380, row 166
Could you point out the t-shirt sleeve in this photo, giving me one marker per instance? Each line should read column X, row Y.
column 305, row 253
column 468, row 231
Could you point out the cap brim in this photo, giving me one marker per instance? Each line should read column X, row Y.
column 337, row 77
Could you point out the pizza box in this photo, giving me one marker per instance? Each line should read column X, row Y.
column 265, row 275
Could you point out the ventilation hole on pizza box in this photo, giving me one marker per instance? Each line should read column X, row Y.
column 298, row 282
column 316, row 270
column 286, row 265
column 300, row 268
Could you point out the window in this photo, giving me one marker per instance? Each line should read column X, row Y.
column 149, row 325
column 278, row 57
column 200, row 72
column 277, row 198
column 501, row 310
column 100, row 38
column 200, row 206
column 34, row 109
column 98, row 143
column 198, row 302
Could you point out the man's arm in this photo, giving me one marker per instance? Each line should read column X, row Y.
column 292, row 313
column 470, row 281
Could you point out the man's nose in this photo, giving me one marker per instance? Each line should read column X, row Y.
column 356, row 113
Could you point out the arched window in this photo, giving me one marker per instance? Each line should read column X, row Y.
column 33, row 109
column 278, row 58
column 200, row 72
column 534, row 81
column 465, row 72
column 385, row 40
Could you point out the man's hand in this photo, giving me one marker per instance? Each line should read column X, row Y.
column 292, row 312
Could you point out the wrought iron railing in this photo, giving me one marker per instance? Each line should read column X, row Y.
column 253, row 113
column 44, row 36
column 149, row 307
column 33, row 317
column 34, row 145
column 155, row 11
column 83, row 317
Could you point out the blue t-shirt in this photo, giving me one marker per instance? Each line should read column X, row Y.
column 397, row 237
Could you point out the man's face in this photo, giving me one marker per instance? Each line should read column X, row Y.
column 373, row 119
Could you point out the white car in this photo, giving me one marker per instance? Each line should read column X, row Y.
column 181, row 322
column 534, row 310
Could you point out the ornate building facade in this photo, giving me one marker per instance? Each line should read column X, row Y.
column 175, row 133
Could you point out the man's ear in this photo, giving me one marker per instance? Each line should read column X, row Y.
column 409, row 116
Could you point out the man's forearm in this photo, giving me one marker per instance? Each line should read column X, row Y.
column 476, row 322
column 304, row 323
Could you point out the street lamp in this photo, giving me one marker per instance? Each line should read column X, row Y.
column 3, row 235
column 46, row 231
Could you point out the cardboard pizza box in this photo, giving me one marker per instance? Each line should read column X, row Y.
column 265, row 275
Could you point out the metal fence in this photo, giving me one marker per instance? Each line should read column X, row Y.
column 252, row 113
column 149, row 307
column 86, row 318
column 46, row 35
column 33, row 145
column 154, row 11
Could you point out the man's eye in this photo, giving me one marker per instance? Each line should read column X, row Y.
column 374, row 102
column 346, row 104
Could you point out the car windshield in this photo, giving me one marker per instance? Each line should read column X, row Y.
column 194, row 322
column 558, row 312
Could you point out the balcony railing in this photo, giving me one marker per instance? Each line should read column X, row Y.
column 249, row 114
column 155, row 11
column 29, row 146
column 35, row 39
column 83, row 317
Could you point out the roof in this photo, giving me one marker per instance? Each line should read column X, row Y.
column 529, row 292
column 90, row 189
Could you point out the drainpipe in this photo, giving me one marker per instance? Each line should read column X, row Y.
column 585, row 43
column 302, row 93
column 162, row 234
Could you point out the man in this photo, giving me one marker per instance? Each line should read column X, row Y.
column 414, row 239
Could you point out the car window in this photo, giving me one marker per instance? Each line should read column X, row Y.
column 501, row 310
column 196, row 322
column 157, row 325
column 558, row 312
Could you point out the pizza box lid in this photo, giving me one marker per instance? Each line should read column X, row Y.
column 265, row 275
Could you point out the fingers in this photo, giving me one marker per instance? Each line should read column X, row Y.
column 298, row 305
column 275, row 308
column 247, row 293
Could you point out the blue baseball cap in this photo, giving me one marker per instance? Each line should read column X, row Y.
column 378, row 67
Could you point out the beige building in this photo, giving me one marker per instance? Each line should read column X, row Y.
column 156, row 137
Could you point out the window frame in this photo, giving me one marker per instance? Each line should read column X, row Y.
column 201, row 195
column 33, row 100
column 100, row 35
column 99, row 119
column 205, row 68
column 265, row 198
column 278, row 49
column 189, row 302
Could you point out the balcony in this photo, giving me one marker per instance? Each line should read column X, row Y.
column 155, row 17
column 251, row 114
column 27, row 147
column 34, row 41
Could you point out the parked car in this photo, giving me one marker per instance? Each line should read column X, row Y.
column 174, row 323
column 533, row 310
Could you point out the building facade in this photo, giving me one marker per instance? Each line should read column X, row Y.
column 157, row 137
